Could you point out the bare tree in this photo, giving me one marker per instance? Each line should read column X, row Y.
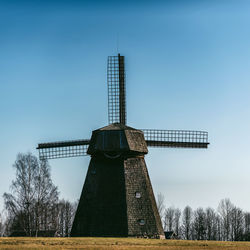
column 18, row 203
column 199, row 224
column 66, row 216
column 247, row 226
column 46, row 194
column 177, row 216
column 169, row 219
column 187, row 222
column 1, row 226
column 32, row 195
column 160, row 205
column 218, row 225
column 225, row 209
column 237, row 221
column 211, row 224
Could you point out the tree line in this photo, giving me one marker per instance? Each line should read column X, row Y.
column 33, row 208
column 227, row 223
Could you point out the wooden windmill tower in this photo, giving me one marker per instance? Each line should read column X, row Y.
column 117, row 197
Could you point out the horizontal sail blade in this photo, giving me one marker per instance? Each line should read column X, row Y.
column 63, row 149
column 176, row 144
column 176, row 138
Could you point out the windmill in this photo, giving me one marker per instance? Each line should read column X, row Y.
column 117, row 197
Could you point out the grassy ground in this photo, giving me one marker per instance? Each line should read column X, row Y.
column 115, row 243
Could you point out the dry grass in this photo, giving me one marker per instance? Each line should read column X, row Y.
column 115, row 243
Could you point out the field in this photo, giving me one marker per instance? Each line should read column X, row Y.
column 115, row 243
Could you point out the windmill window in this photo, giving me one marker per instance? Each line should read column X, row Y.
column 137, row 195
column 141, row 222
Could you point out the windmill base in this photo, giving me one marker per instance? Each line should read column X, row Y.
column 117, row 200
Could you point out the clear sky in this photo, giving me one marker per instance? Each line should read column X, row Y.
column 187, row 67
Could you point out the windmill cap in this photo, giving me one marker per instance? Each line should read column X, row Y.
column 118, row 138
column 116, row 126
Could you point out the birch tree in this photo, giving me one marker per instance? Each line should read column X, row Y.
column 1, row 226
column 177, row 216
column 225, row 209
column 211, row 224
column 169, row 219
column 32, row 195
column 187, row 222
column 199, row 224
column 237, row 222
column 161, row 206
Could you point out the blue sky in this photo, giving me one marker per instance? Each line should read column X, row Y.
column 187, row 67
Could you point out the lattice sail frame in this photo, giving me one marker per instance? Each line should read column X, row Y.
column 176, row 138
column 116, row 89
column 63, row 149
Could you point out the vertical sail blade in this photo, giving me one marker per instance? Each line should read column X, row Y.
column 122, row 99
column 116, row 90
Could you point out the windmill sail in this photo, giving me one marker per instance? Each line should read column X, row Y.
column 176, row 138
column 63, row 149
column 116, row 90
